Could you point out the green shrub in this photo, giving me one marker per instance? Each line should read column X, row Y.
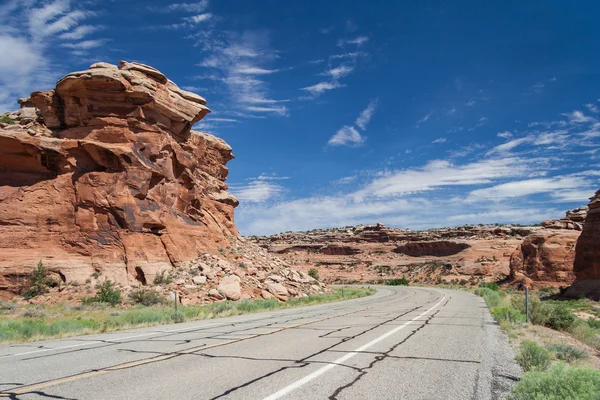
column 106, row 293
column 567, row 353
column 490, row 285
column 35, row 312
column 560, row 382
column 398, row 282
column 313, row 273
column 162, row 278
column 533, row 357
column 491, row 297
column 178, row 317
column 7, row 120
column 594, row 323
column 561, row 317
column 508, row 314
column 539, row 311
column 38, row 282
column 146, row 297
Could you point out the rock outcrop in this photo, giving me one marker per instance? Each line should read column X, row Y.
column 104, row 176
column 545, row 258
column 573, row 219
column 587, row 255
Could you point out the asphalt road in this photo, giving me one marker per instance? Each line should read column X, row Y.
column 401, row 343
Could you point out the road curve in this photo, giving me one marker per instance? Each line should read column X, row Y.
column 402, row 342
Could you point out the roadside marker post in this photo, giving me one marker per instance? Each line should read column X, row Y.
column 527, row 304
column 175, row 300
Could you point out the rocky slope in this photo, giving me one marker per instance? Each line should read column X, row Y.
column 103, row 176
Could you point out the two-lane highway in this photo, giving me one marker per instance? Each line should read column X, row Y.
column 402, row 342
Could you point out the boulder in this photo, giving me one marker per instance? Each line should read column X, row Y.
column 278, row 290
column 229, row 287
column 545, row 258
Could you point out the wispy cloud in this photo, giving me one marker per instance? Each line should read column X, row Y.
column 338, row 72
column 350, row 135
column 195, row 7
column 424, row 119
column 365, row 116
column 239, row 61
column 259, row 189
column 322, row 87
column 29, row 33
column 439, row 140
column 346, row 135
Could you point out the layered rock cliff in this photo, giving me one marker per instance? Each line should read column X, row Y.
column 587, row 255
column 104, row 176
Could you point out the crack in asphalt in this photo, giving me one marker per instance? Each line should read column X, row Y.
column 303, row 362
column 364, row 371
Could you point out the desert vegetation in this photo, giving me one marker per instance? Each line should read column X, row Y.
column 103, row 313
column 553, row 368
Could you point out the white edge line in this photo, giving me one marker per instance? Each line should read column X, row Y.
column 286, row 390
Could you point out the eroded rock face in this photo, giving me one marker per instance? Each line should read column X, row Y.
column 587, row 255
column 573, row 219
column 104, row 173
column 438, row 249
column 545, row 258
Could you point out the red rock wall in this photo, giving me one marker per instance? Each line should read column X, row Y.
column 587, row 255
column 545, row 258
column 111, row 178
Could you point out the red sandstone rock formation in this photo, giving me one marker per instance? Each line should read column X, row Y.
column 587, row 255
column 573, row 220
column 104, row 174
column 545, row 258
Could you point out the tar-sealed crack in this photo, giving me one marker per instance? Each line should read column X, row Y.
column 383, row 356
column 303, row 362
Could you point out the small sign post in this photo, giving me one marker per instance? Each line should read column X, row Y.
column 527, row 304
column 175, row 300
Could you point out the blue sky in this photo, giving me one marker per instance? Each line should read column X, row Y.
column 413, row 114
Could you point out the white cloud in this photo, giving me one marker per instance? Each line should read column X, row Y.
column 593, row 108
column 424, row 119
column 322, row 87
column 438, row 173
column 529, row 187
column 80, row 32
column 346, row 135
column 508, row 146
column 439, row 140
column 338, row 72
column 505, row 135
column 183, row 7
column 240, row 63
column 85, row 45
column 196, row 19
column 358, row 41
column 365, row 116
column 249, row 70
column 29, row 33
column 577, row 117
column 258, row 190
